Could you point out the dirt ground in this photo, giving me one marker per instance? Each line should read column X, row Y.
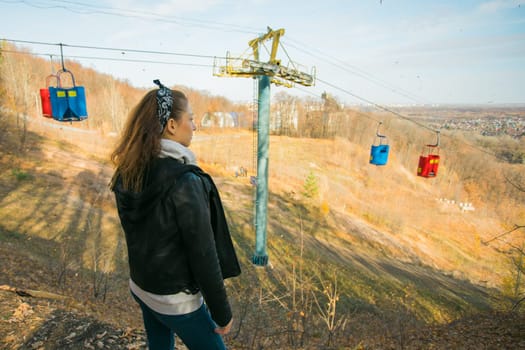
column 34, row 315
column 41, row 323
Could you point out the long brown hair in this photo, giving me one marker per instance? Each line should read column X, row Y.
column 139, row 142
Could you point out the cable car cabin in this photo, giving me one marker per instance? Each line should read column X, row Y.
column 429, row 163
column 379, row 153
column 45, row 96
column 68, row 104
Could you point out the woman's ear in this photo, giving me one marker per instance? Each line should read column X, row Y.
column 170, row 129
column 171, row 126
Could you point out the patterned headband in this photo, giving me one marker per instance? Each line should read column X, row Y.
column 164, row 104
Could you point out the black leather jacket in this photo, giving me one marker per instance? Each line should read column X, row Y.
column 177, row 235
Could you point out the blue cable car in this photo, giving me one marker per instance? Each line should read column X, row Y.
column 379, row 152
column 68, row 104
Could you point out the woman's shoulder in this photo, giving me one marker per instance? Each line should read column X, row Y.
column 189, row 176
column 195, row 175
column 169, row 171
column 169, row 168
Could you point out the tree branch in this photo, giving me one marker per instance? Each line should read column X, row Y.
column 515, row 185
column 516, row 227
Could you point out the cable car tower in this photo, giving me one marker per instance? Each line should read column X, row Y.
column 267, row 72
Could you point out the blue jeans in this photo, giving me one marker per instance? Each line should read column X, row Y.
column 196, row 329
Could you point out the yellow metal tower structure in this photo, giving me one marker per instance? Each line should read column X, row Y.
column 253, row 66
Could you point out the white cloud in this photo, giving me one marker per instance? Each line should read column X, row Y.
column 497, row 5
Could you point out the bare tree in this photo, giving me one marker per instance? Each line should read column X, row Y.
column 296, row 299
column 100, row 256
column 518, row 263
column 17, row 75
column 516, row 255
column 327, row 308
column 115, row 105
column 286, row 115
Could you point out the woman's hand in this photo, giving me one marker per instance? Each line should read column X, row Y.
column 224, row 330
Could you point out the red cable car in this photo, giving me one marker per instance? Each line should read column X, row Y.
column 45, row 96
column 429, row 161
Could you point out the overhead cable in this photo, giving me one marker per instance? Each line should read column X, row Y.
column 374, row 104
column 111, row 48
column 139, row 14
column 356, row 71
column 112, row 59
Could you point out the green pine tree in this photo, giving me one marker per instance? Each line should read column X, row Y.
column 311, row 186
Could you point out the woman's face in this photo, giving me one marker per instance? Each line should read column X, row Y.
column 184, row 128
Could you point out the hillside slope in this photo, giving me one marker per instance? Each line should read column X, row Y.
column 37, row 320
column 393, row 267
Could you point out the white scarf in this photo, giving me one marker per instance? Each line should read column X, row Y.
column 173, row 149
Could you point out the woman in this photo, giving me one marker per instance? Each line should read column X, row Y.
column 179, row 245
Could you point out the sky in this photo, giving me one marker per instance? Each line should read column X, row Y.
column 386, row 52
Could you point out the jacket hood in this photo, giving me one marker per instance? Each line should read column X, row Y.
column 159, row 178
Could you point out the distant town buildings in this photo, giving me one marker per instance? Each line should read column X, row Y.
column 513, row 126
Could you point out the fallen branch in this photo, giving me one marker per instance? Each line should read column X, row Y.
column 33, row 293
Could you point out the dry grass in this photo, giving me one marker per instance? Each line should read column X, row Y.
column 382, row 228
column 403, row 211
